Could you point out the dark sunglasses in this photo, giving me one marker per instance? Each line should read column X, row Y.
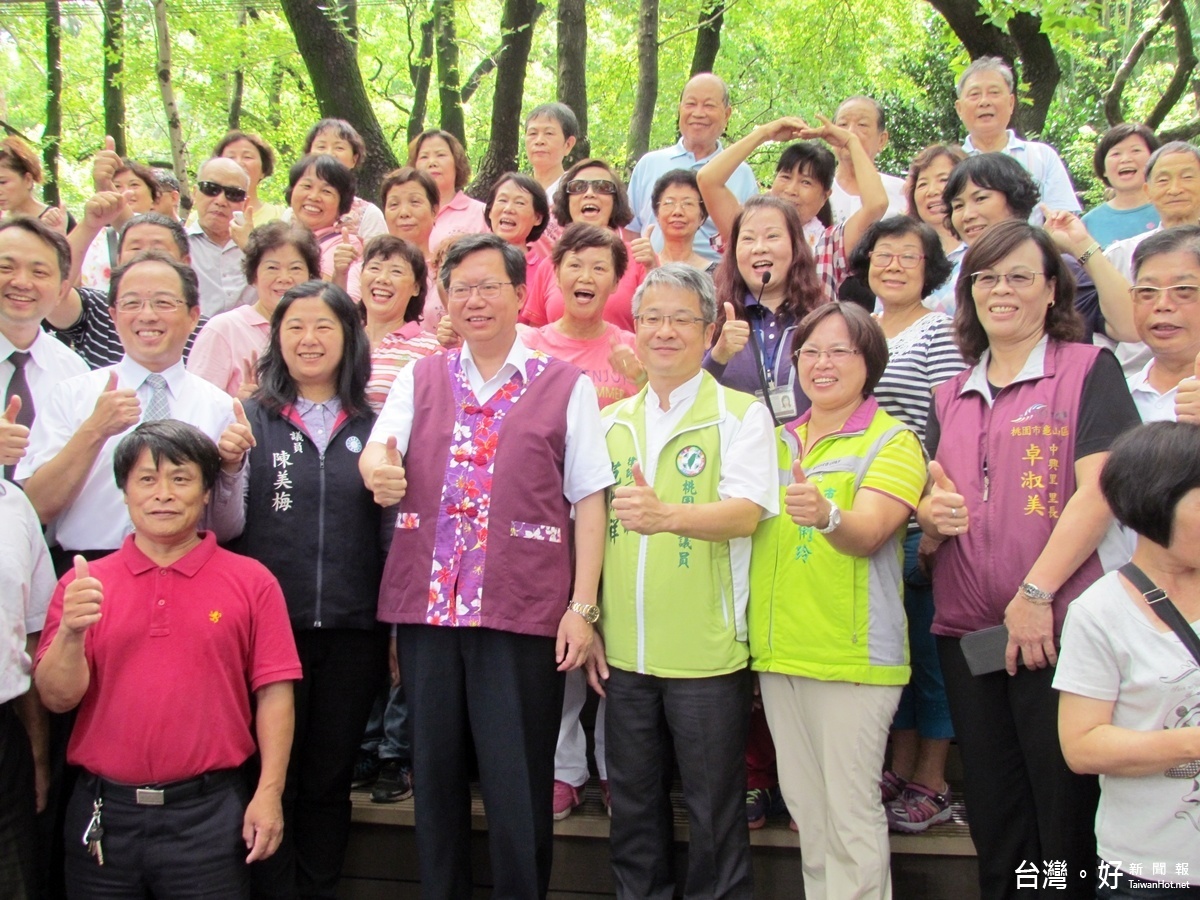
column 212, row 189
column 599, row 185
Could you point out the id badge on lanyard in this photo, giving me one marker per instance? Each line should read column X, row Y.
column 783, row 402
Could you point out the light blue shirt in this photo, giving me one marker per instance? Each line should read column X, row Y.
column 1043, row 164
column 658, row 163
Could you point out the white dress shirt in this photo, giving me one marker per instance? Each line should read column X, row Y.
column 98, row 519
column 1151, row 405
column 1044, row 165
column 586, row 467
column 845, row 205
column 26, row 583
column 50, row 361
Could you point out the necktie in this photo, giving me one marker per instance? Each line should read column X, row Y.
column 18, row 386
column 160, row 403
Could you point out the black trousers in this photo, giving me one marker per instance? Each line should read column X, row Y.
column 707, row 718
column 17, row 808
column 189, row 849
column 1023, row 803
column 333, row 701
column 499, row 694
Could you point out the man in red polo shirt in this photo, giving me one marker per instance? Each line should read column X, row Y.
column 156, row 644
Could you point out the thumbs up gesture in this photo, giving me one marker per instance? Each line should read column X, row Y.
column 14, row 437
column 388, row 481
column 735, row 334
column 116, row 410
column 804, row 502
column 643, row 250
column 344, row 254
column 81, row 600
column 623, row 361
column 236, row 440
column 240, row 226
column 947, row 507
column 1187, row 397
column 637, row 506
column 105, row 164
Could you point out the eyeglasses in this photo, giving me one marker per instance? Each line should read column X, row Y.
column 1177, row 293
column 836, row 354
column 1018, row 280
column 212, row 189
column 685, row 205
column 160, row 303
column 679, row 320
column 599, row 185
column 489, row 290
column 883, row 259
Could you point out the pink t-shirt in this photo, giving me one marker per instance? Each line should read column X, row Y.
column 618, row 309
column 328, row 240
column 590, row 355
column 462, row 215
column 229, row 340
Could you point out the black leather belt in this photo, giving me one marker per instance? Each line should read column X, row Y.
column 162, row 794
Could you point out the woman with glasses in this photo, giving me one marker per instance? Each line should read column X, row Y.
column 1016, row 506
column 592, row 193
column 826, row 616
column 902, row 261
column 320, row 191
column 679, row 211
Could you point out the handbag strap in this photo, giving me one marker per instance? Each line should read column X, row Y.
column 1162, row 606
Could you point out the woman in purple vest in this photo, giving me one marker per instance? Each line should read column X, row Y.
column 309, row 520
column 1018, row 440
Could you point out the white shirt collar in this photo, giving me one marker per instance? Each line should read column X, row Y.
column 39, row 350
column 131, row 374
column 1014, row 143
column 518, row 355
column 1035, row 367
column 682, row 150
column 682, row 394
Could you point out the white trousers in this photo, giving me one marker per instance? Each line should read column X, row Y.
column 570, row 758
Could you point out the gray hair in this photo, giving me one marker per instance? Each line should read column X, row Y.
column 1170, row 147
column 1180, row 239
column 684, row 277
column 985, row 64
column 462, row 247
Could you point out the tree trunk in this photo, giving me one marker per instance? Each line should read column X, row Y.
column 114, row 67
column 332, row 63
column 275, row 96
column 647, row 85
column 708, row 37
column 572, row 69
column 449, row 93
column 179, row 151
column 516, row 28
column 418, row 71
column 53, row 133
column 239, row 80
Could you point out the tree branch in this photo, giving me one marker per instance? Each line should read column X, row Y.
column 1112, row 97
column 701, row 24
column 1185, row 63
column 488, row 63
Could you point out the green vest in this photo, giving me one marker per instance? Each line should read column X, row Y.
column 673, row 606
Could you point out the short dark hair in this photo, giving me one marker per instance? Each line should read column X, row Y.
column 274, row 235
column 937, row 267
column 1147, row 473
column 922, row 161
column 386, row 246
column 465, row 245
column 342, row 129
column 187, row 276
column 176, row 441
column 677, row 178
column 622, row 212
column 265, row 153
column 541, row 206
column 1063, row 322
column 1180, row 239
column 144, row 173
column 277, row 388
column 462, row 165
column 409, row 175
column 47, row 235
column 330, row 171
column 579, row 236
column 560, row 113
column 865, row 335
column 1114, row 136
column 994, row 172
column 178, row 235
column 816, row 161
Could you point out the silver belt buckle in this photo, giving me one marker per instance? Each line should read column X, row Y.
column 149, row 797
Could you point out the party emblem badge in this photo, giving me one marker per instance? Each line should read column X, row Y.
column 353, row 444
column 690, row 461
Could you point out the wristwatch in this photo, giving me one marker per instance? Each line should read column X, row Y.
column 589, row 611
column 835, row 519
column 1035, row 594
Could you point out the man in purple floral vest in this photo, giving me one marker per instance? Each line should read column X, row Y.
column 491, row 584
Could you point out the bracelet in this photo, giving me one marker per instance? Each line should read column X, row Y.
column 1036, row 595
column 1089, row 253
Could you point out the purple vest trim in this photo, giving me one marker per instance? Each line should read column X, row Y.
column 485, row 506
column 1026, row 440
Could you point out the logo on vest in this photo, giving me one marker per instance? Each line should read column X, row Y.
column 690, row 461
column 353, row 444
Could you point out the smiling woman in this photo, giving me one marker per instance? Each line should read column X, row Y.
column 320, row 191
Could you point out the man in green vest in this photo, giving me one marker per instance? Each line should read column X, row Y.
column 695, row 474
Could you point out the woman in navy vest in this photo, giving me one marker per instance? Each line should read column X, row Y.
column 309, row 520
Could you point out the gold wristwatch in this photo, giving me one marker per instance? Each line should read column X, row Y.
column 589, row 611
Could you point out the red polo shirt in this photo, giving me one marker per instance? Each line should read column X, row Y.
column 173, row 661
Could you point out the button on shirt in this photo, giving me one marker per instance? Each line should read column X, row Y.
column 26, row 583
column 98, row 518
column 1043, row 164
column 219, row 268
column 658, row 163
